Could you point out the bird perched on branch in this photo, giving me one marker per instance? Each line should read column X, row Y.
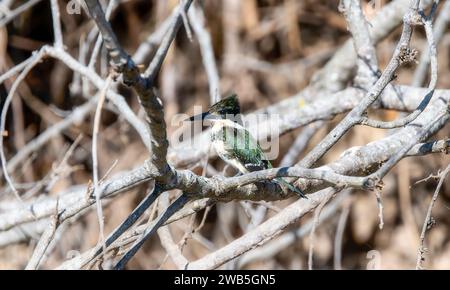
column 233, row 143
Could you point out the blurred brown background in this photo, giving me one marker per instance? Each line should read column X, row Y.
column 266, row 51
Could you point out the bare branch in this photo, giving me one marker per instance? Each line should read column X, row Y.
column 433, row 80
column 174, row 207
column 426, row 223
column 300, row 143
column 197, row 19
column 401, row 52
column 172, row 249
column 439, row 28
column 44, row 242
column 36, row 59
column 312, row 235
column 158, row 59
column 272, row 248
column 263, row 233
column 19, row 10
column 342, row 222
column 56, row 24
column 95, row 178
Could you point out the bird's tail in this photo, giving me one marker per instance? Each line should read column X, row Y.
column 292, row 188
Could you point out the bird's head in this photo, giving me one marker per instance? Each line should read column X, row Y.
column 226, row 108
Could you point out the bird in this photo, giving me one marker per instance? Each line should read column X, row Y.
column 233, row 143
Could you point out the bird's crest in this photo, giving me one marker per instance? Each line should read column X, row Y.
column 226, row 106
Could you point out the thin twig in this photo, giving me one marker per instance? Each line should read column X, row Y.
column 97, row 118
column 16, row 12
column 186, row 25
column 426, row 223
column 316, row 222
column 197, row 19
column 56, row 24
column 44, row 241
column 172, row 249
column 300, row 143
column 380, row 209
column 161, row 53
column 440, row 27
column 98, row 43
column 342, row 222
column 36, row 59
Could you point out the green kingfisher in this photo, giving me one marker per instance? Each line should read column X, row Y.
column 233, row 143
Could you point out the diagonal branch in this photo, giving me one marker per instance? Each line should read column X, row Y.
column 174, row 207
column 401, row 54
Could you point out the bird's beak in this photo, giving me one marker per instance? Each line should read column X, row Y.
column 203, row 116
column 199, row 117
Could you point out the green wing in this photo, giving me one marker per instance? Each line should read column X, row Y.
column 243, row 147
